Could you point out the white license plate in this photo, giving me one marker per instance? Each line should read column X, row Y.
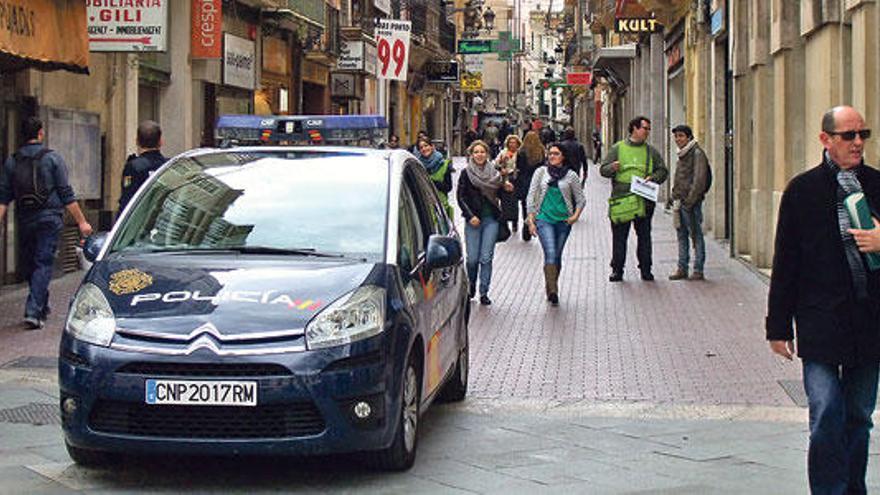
column 201, row 392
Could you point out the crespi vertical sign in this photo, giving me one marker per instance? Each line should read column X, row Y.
column 206, row 29
column 392, row 49
column 127, row 25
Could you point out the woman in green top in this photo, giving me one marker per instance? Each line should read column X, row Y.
column 554, row 203
column 439, row 169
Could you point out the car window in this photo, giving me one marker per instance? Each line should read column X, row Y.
column 435, row 216
column 411, row 238
column 327, row 203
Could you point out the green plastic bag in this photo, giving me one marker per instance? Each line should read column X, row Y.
column 626, row 208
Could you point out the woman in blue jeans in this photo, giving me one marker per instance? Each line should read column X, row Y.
column 554, row 203
column 477, row 195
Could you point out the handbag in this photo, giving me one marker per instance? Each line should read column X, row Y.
column 503, row 232
column 627, row 208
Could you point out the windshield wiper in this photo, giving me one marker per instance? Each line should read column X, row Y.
column 276, row 250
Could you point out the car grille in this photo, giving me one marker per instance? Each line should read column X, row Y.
column 205, row 369
column 213, row 422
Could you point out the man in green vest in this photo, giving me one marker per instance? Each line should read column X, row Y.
column 626, row 159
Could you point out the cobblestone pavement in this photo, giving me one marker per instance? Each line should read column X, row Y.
column 636, row 387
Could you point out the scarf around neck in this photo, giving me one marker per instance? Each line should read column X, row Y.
column 687, row 147
column 556, row 174
column 433, row 162
column 486, row 178
column 848, row 183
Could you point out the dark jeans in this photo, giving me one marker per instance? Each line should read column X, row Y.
column 691, row 230
column 620, row 235
column 553, row 237
column 841, row 400
column 39, row 240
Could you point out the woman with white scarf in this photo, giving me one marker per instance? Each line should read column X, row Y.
column 477, row 195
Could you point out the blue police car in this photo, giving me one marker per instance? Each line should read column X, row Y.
column 268, row 300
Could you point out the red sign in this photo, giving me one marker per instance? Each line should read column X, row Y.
column 579, row 78
column 207, row 27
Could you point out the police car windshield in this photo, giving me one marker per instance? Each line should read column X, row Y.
column 331, row 202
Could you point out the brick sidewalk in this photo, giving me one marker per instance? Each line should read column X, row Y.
column 662, row 342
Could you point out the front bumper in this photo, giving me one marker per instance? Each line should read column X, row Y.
column 305, row 402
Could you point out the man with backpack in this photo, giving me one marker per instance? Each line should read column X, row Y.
column 148, row 159
column 693, row 177
column 35, row 177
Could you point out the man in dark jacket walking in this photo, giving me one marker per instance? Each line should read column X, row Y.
column 147, row 160
column 822, row 283
column 36, row 179
column 688, row 190
column 575, row 156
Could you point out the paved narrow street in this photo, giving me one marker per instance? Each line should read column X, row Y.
column 661, row 387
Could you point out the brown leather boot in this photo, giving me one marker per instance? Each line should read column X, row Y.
column 678, row 274
column 551, row 283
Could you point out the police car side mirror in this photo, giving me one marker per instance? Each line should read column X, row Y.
column 442, row 252
column 93, row 245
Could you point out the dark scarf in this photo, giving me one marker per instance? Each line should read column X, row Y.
column 433, row 162
column 848, row 183
column 556, row 174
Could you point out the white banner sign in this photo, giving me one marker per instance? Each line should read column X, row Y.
column 127, row 26
column 351, row 56
column 239, row 62
column 392, row 49
column 474, row 63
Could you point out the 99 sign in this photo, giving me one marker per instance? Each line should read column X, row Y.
column 386, row 53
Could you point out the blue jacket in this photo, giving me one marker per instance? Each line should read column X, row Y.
column 55, row 178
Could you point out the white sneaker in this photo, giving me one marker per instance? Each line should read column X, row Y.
column 32, row 323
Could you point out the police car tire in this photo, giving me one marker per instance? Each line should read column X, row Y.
column 88, row 458
column 397, row 457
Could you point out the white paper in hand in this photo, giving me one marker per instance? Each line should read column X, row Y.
column 645, row 188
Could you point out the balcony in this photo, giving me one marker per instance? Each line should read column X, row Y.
column 313, row 11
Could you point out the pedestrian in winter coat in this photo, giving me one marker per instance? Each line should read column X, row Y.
column 555, row 202
column 148, row 159
column 528, row 158
column 477, row 196
column 688, row 190
column 440, row 171
column 823, row 294
column 626, row 159
column 575, row 156
column 506, row 163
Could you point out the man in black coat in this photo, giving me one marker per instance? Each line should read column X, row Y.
column 822, row 285
column 147, row 160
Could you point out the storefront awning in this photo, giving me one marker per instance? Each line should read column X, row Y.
column 44, row 34
column 613, row 62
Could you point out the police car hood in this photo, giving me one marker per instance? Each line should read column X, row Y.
column 171, row 294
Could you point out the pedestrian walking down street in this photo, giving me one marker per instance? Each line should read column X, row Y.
column 528, row 159
column 148, row 159
column 393, row 142
column 440, row 171
column 35, row 177
column 575, row 156
column 821, row 282
column 477, row 197
column 414, row 149
column 506, row 163
column 597, row 146
column 632, row 157
column 491, row 136
column 689, row 187
column 555, row 202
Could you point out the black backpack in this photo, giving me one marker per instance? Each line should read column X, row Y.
column 708, row 177
column 28, row 181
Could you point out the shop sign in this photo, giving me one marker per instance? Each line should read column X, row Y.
column 383, row 5
column 637, row 25
column 392, row 49
column 474, row 63
column 41, row 33
column 351, row 56
column 206, row 29
column 127, row 25
column 238, row 62
column 441, row 72
column 579, row 78
column 345, row 85
column 471, row 82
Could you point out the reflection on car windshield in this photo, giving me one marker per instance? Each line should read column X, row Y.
column 270, row 202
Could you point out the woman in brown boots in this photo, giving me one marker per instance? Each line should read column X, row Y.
column 555, row 202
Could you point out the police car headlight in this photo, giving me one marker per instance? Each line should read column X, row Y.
column 91, row 319
column 355, row 316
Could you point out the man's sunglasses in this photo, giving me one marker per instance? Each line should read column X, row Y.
column 850, row 135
